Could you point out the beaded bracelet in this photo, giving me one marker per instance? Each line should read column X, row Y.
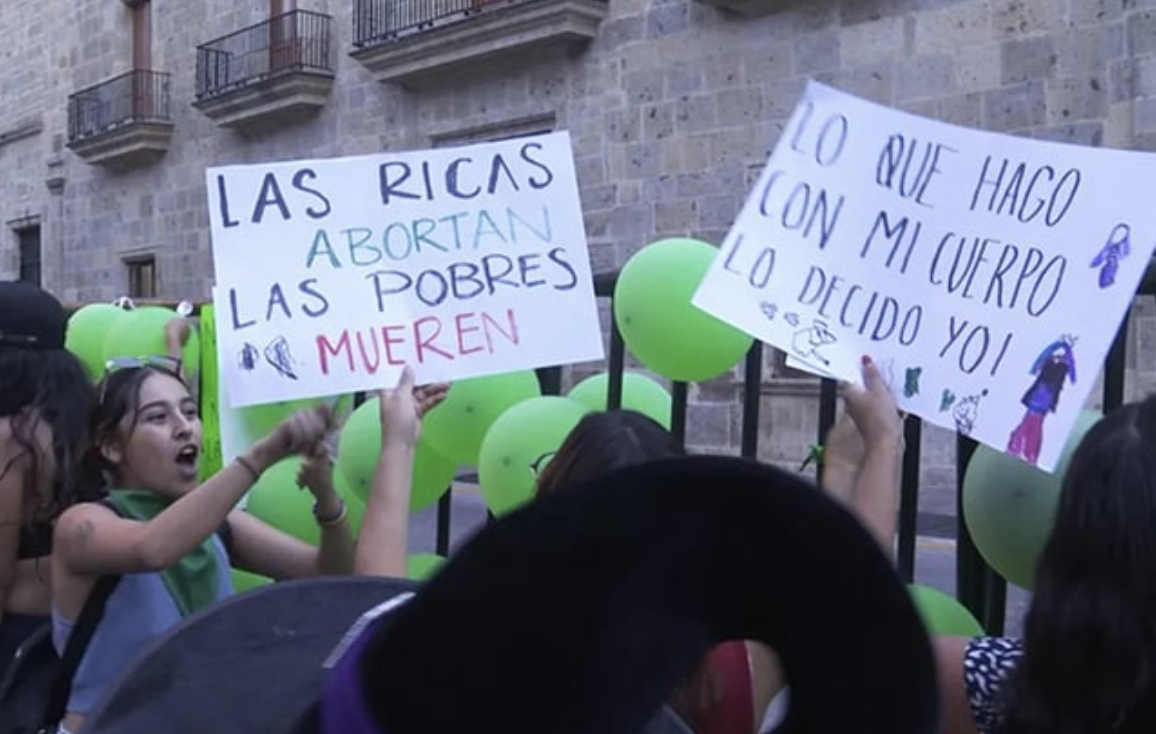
column 333, row 521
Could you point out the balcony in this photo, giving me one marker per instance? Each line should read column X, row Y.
column 751, row 8
column 273, row 72
column 416, row 43
column 123, row 122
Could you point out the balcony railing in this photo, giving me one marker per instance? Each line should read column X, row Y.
column 140, row 96
column 298, row 41
column 379, row 21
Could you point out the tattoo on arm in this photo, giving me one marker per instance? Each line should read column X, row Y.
column 83, row 534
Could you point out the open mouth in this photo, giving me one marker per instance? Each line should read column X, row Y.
column 188, row 456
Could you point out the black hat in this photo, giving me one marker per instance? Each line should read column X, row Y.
column 577, row 614
column 30, row 317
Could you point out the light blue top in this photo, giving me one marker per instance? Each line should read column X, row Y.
column 139, row 611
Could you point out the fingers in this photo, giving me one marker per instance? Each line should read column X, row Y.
column 405, row 382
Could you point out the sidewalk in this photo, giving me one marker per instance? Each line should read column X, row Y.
column 934, row 555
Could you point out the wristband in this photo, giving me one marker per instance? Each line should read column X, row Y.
column 334, row 520
column 249, row 467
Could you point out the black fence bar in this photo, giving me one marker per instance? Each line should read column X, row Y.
column 138, row 96
column 828, row 407
column 616, row 367
column 380, row 21
column 908, row 528
column 678, row 411
column 969, row 565
column 293, row 42
column 752, row 399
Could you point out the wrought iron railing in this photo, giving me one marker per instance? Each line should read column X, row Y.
column 138, row 96
column 295, row 41
column 381, row 21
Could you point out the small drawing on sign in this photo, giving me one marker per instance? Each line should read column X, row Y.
column 911, row 381
column 807, row 342
column 248, row 357
column 792, row 318
column 966, row 411
column 946, row 400
column 769, row 310
column 1108, row 258
column 278, row 355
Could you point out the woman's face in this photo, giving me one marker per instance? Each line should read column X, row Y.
column 160, row 442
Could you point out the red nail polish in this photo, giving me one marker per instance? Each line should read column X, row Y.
column 866, row 360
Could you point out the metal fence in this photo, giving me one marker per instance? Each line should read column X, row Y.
column 295, row 41
column 138, row 96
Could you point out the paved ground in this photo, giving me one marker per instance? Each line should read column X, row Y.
column 934, row 558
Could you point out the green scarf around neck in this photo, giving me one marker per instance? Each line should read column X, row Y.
column 193, row 581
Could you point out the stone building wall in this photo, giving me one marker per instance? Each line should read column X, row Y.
column 672, row 109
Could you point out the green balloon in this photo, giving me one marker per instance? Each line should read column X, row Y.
column 244, row 581
column 455, row 429
column 1009, row 505
column 140, row 332
column 88, row 328
column 518, row 438
column 639, row 393
column 358, row 451
column 277, row 500
column 660, row 325
column 421, row 566
column 943, row 615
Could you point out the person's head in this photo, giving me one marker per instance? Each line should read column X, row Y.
column 46, row 397
column 147, row 427
column 603, row 442
column 1090, row 633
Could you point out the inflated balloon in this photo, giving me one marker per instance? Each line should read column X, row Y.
column 520, row 437
column 277, row 500
column 88, row 328
column 639, row 393
column 1009, row 505
column 141, row 333
column 421, row 566
column 456, row 429
column 359, row 448
column 942, row 614
column 660, row 325
column 244, row 581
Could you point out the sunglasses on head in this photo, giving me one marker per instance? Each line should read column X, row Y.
column 157, row 361
column 164, row 363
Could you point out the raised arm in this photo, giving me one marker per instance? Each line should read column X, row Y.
column 863, row 461
column 263, row 549
column 384, row 542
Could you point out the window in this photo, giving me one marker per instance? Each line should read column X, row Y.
column 142, row 277
column 525, row 127
column 28, row 240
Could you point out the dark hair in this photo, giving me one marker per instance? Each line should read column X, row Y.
column 119, row 394
column 603, row 442
column 1089, row 663
column 49, row 386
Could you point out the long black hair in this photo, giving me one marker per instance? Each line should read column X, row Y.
column 49, row 387
column 1089, row 663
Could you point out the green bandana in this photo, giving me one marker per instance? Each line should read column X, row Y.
column 192, row 581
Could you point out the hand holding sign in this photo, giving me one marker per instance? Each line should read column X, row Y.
column 978, row 268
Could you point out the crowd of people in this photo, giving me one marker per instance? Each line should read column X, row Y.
column 103, row 480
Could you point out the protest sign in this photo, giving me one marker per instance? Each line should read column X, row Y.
column 977, row 269
column 461, row 262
